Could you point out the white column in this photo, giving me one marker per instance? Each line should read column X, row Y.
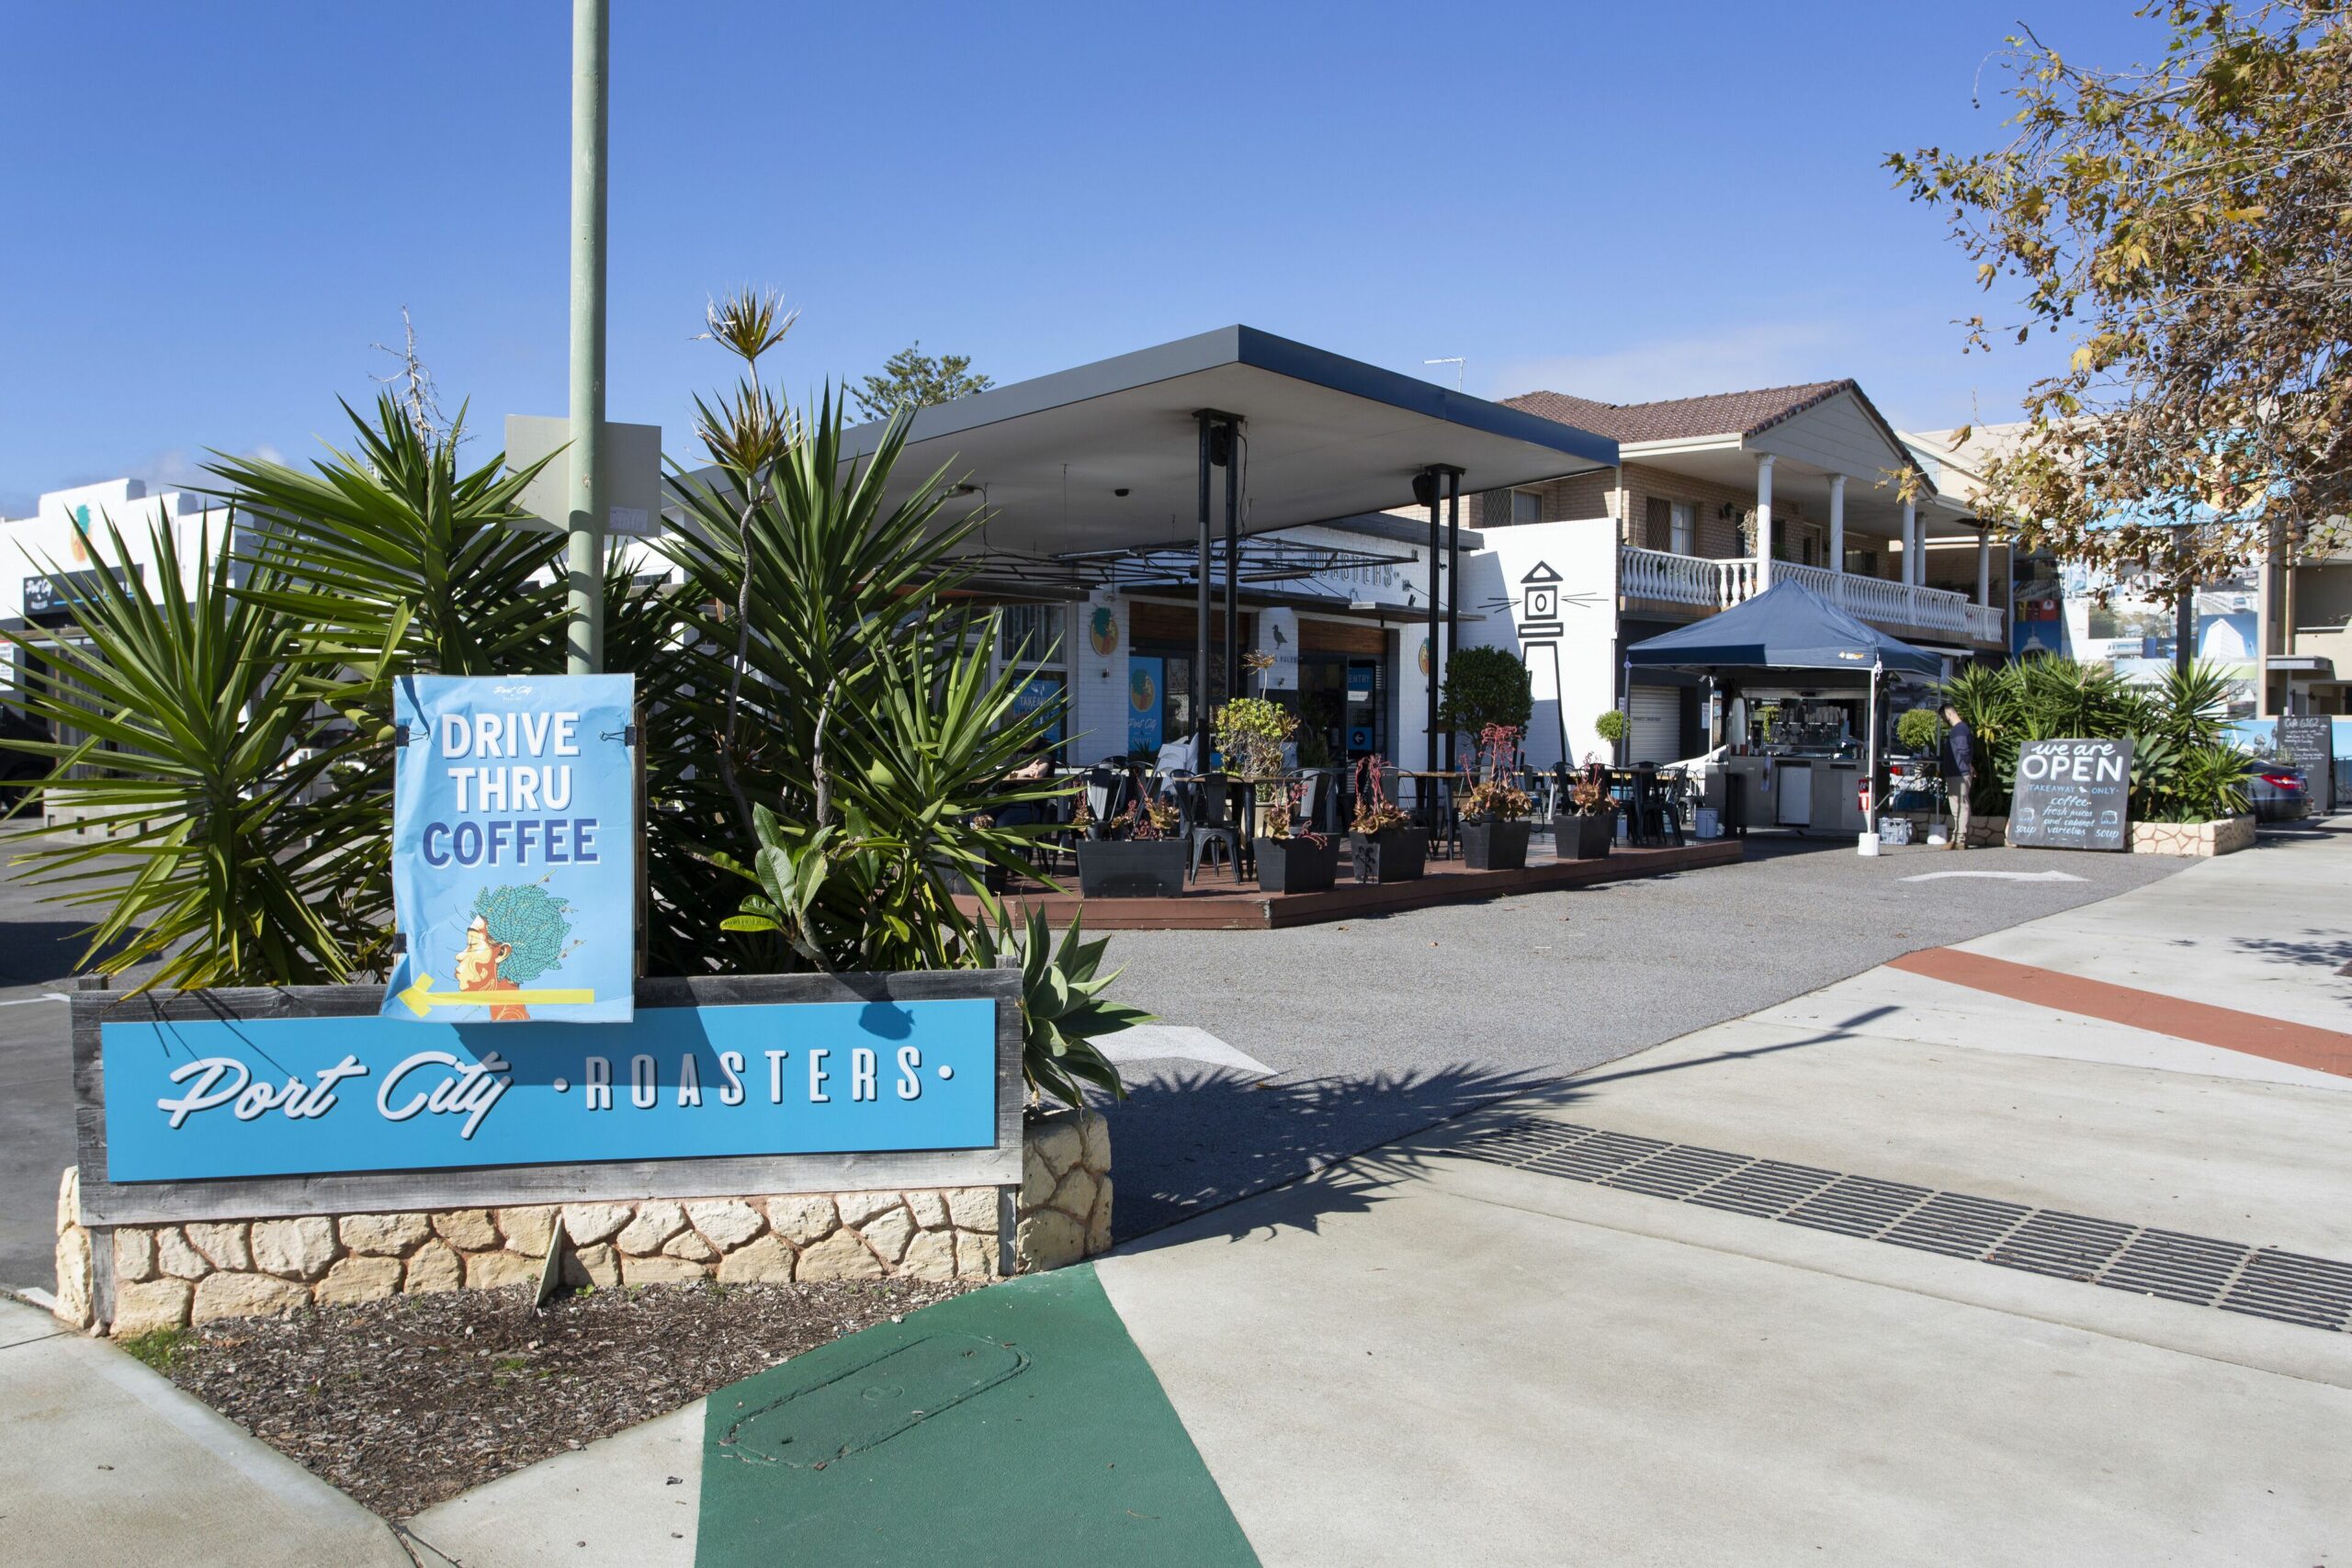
column 1837, row 523
column 1914, row 568
column 1763, row 521
column 1984, row 565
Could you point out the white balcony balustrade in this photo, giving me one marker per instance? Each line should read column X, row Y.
column 1665, row 578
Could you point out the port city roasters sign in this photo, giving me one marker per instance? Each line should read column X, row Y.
column 515, row 1058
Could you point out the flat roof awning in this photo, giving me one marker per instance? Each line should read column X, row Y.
column 1323, row 436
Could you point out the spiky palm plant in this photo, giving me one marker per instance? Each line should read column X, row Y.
column 220, row 854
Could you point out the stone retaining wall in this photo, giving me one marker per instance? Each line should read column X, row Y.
column 2225, row 837
column 130, row 1280
column 2201, row 840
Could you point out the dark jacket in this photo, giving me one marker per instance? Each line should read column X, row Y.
column 1958, row 754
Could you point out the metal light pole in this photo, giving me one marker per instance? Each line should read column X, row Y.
column 584, row 643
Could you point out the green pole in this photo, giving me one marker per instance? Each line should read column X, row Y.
column 583, row 650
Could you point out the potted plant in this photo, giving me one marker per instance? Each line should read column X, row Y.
column 1611, row 727
column 1590, row 826
column 1142, row 863
column 1485, row 687
column 1382, row 843
column 1494, row 811
column 1250, row 732
column 1291, row 857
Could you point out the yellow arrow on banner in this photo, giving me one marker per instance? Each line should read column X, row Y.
column 421, row 996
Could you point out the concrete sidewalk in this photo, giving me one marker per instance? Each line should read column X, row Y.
column 104, row 1462
column 1426, row 1355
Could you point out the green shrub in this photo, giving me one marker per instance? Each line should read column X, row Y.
column 1611, row 727
column 1920, row 731
column 1250, row 732
column 1484, row 686
column 2183, row 769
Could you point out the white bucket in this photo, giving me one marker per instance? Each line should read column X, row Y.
column 1866, row 843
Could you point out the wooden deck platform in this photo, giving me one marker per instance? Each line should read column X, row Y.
column 1219, row 903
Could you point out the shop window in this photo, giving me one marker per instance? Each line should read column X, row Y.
column 1030, row 633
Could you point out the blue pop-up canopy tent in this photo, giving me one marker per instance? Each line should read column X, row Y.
column 1787, row 627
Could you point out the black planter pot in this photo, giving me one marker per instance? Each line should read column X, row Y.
column 1495, row 846
column 1585, row 837
column 1297, row 865
column 1123, row 868
column 1393, row 854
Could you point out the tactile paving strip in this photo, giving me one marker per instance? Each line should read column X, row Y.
column 2264, row 1281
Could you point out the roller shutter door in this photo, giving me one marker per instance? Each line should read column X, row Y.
column 1653, row 724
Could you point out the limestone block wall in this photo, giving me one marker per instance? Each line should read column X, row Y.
column 131, row 1280
column 2201, row 840
column 2224, row 837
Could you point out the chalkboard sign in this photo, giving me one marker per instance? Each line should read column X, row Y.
column 2072, row 794
column 2310, row 740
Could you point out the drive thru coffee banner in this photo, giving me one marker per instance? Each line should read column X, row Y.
column 515, row 849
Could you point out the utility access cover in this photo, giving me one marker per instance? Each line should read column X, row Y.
column 871, row 1402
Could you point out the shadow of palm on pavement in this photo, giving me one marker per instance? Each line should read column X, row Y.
column 1192, row 1143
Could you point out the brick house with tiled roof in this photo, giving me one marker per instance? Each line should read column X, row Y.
column 1713, row 499
column 1814, row 468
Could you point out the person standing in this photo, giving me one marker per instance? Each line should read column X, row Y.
column 1958, row 759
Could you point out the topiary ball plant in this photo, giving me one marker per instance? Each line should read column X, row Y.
column 1918, row 731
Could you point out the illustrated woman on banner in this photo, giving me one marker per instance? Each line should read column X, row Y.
column 516, row 936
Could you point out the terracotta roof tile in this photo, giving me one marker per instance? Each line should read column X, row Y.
column 1683, row 419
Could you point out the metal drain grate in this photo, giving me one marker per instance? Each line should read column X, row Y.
column 2263, row 1282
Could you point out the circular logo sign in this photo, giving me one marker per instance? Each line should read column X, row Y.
column 1142, row 691
column 1425, row 655
column 1102, row 631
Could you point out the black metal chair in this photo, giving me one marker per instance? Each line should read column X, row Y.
column 1207, row 823
column 1109, row 792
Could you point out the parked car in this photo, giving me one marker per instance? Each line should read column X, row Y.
column 2276, row 791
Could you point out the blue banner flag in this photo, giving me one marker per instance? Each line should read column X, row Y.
column 515, row 849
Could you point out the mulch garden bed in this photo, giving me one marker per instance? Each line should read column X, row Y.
column 406, row 1402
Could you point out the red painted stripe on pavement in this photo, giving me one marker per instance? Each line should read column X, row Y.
column 2273, row 1039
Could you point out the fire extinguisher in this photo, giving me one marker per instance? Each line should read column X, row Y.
column 1862, row 794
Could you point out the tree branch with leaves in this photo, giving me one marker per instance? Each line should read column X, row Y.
column 2188, row 223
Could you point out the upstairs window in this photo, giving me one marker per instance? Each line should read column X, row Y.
column 1526, row 506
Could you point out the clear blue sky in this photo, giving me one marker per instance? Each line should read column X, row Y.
column 211, row 211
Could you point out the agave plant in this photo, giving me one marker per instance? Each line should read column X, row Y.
column 1063, row 1009
column 220, row 854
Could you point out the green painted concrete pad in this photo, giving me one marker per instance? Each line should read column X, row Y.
column 1015, row 1425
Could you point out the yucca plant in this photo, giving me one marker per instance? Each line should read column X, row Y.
column 2183, row 770
column 393, row 546
column 210, row 846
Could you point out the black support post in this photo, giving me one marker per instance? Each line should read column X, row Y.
column 1232, row 559
column 1199, row 684
column 1452, row 587
column 1436, row 567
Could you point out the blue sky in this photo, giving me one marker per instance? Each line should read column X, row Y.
column 212, row 212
